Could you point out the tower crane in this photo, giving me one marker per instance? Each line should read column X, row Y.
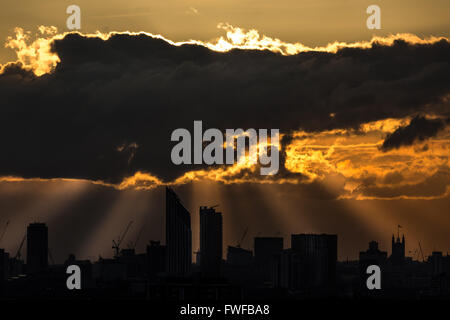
column 116, row 245
column 19, row 251
column 421, row 252
column 4, row 231
column 138, row 237
column 242, row 238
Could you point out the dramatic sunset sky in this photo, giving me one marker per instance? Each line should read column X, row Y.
column 364, row 117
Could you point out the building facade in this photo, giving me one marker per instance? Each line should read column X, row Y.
column 178, row 236
column 317, row 254
column 210, row 241
column 37, row 248
column 265, row 250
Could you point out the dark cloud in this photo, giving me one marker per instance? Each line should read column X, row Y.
column 419, row 129
column 135, row 90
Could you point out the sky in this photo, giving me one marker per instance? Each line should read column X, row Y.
column 363, row 114
column 312, row 22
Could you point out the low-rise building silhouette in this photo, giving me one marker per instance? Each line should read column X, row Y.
column 239, row 257
column 372, row 256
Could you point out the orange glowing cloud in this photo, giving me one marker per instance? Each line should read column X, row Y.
column 36, row 55
column 353, row 156
column 357, row 157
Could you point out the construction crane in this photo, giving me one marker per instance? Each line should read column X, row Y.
column 421, row 252
column 138, row 237
column 242, row 238
column 116, row 245
column 415, row 254
column 4, row 231
column 19, row 251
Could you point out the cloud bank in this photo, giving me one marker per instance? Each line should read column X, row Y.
column 102, row 107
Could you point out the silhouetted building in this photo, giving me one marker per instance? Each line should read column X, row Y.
column 135, row 263
column 16, row 267
column 286, row 270
column 107, row 272
column 156, row 259
column 265, row 249
column 37, row 248
column 436, row 261
column 238, row 268
column 318, row 258
column 440, row 272
column 210, row 241
column 4, row 265
column 398, row 251
column 178, row 235
column 372, row 256
column 85, row 268
column 239, row 257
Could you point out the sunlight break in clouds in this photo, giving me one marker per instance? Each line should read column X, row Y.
column 353, row 156
column 35, row 55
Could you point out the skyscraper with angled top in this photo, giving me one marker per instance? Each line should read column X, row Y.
column 178, row 235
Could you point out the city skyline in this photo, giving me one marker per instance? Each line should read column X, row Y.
column 243, row 131
column 412, row 249
column 308, row 268
column 360, row 160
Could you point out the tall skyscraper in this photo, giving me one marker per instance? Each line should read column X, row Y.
column 210, row 241
column 318, row 259
column 178, row 235
column 37, row 248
